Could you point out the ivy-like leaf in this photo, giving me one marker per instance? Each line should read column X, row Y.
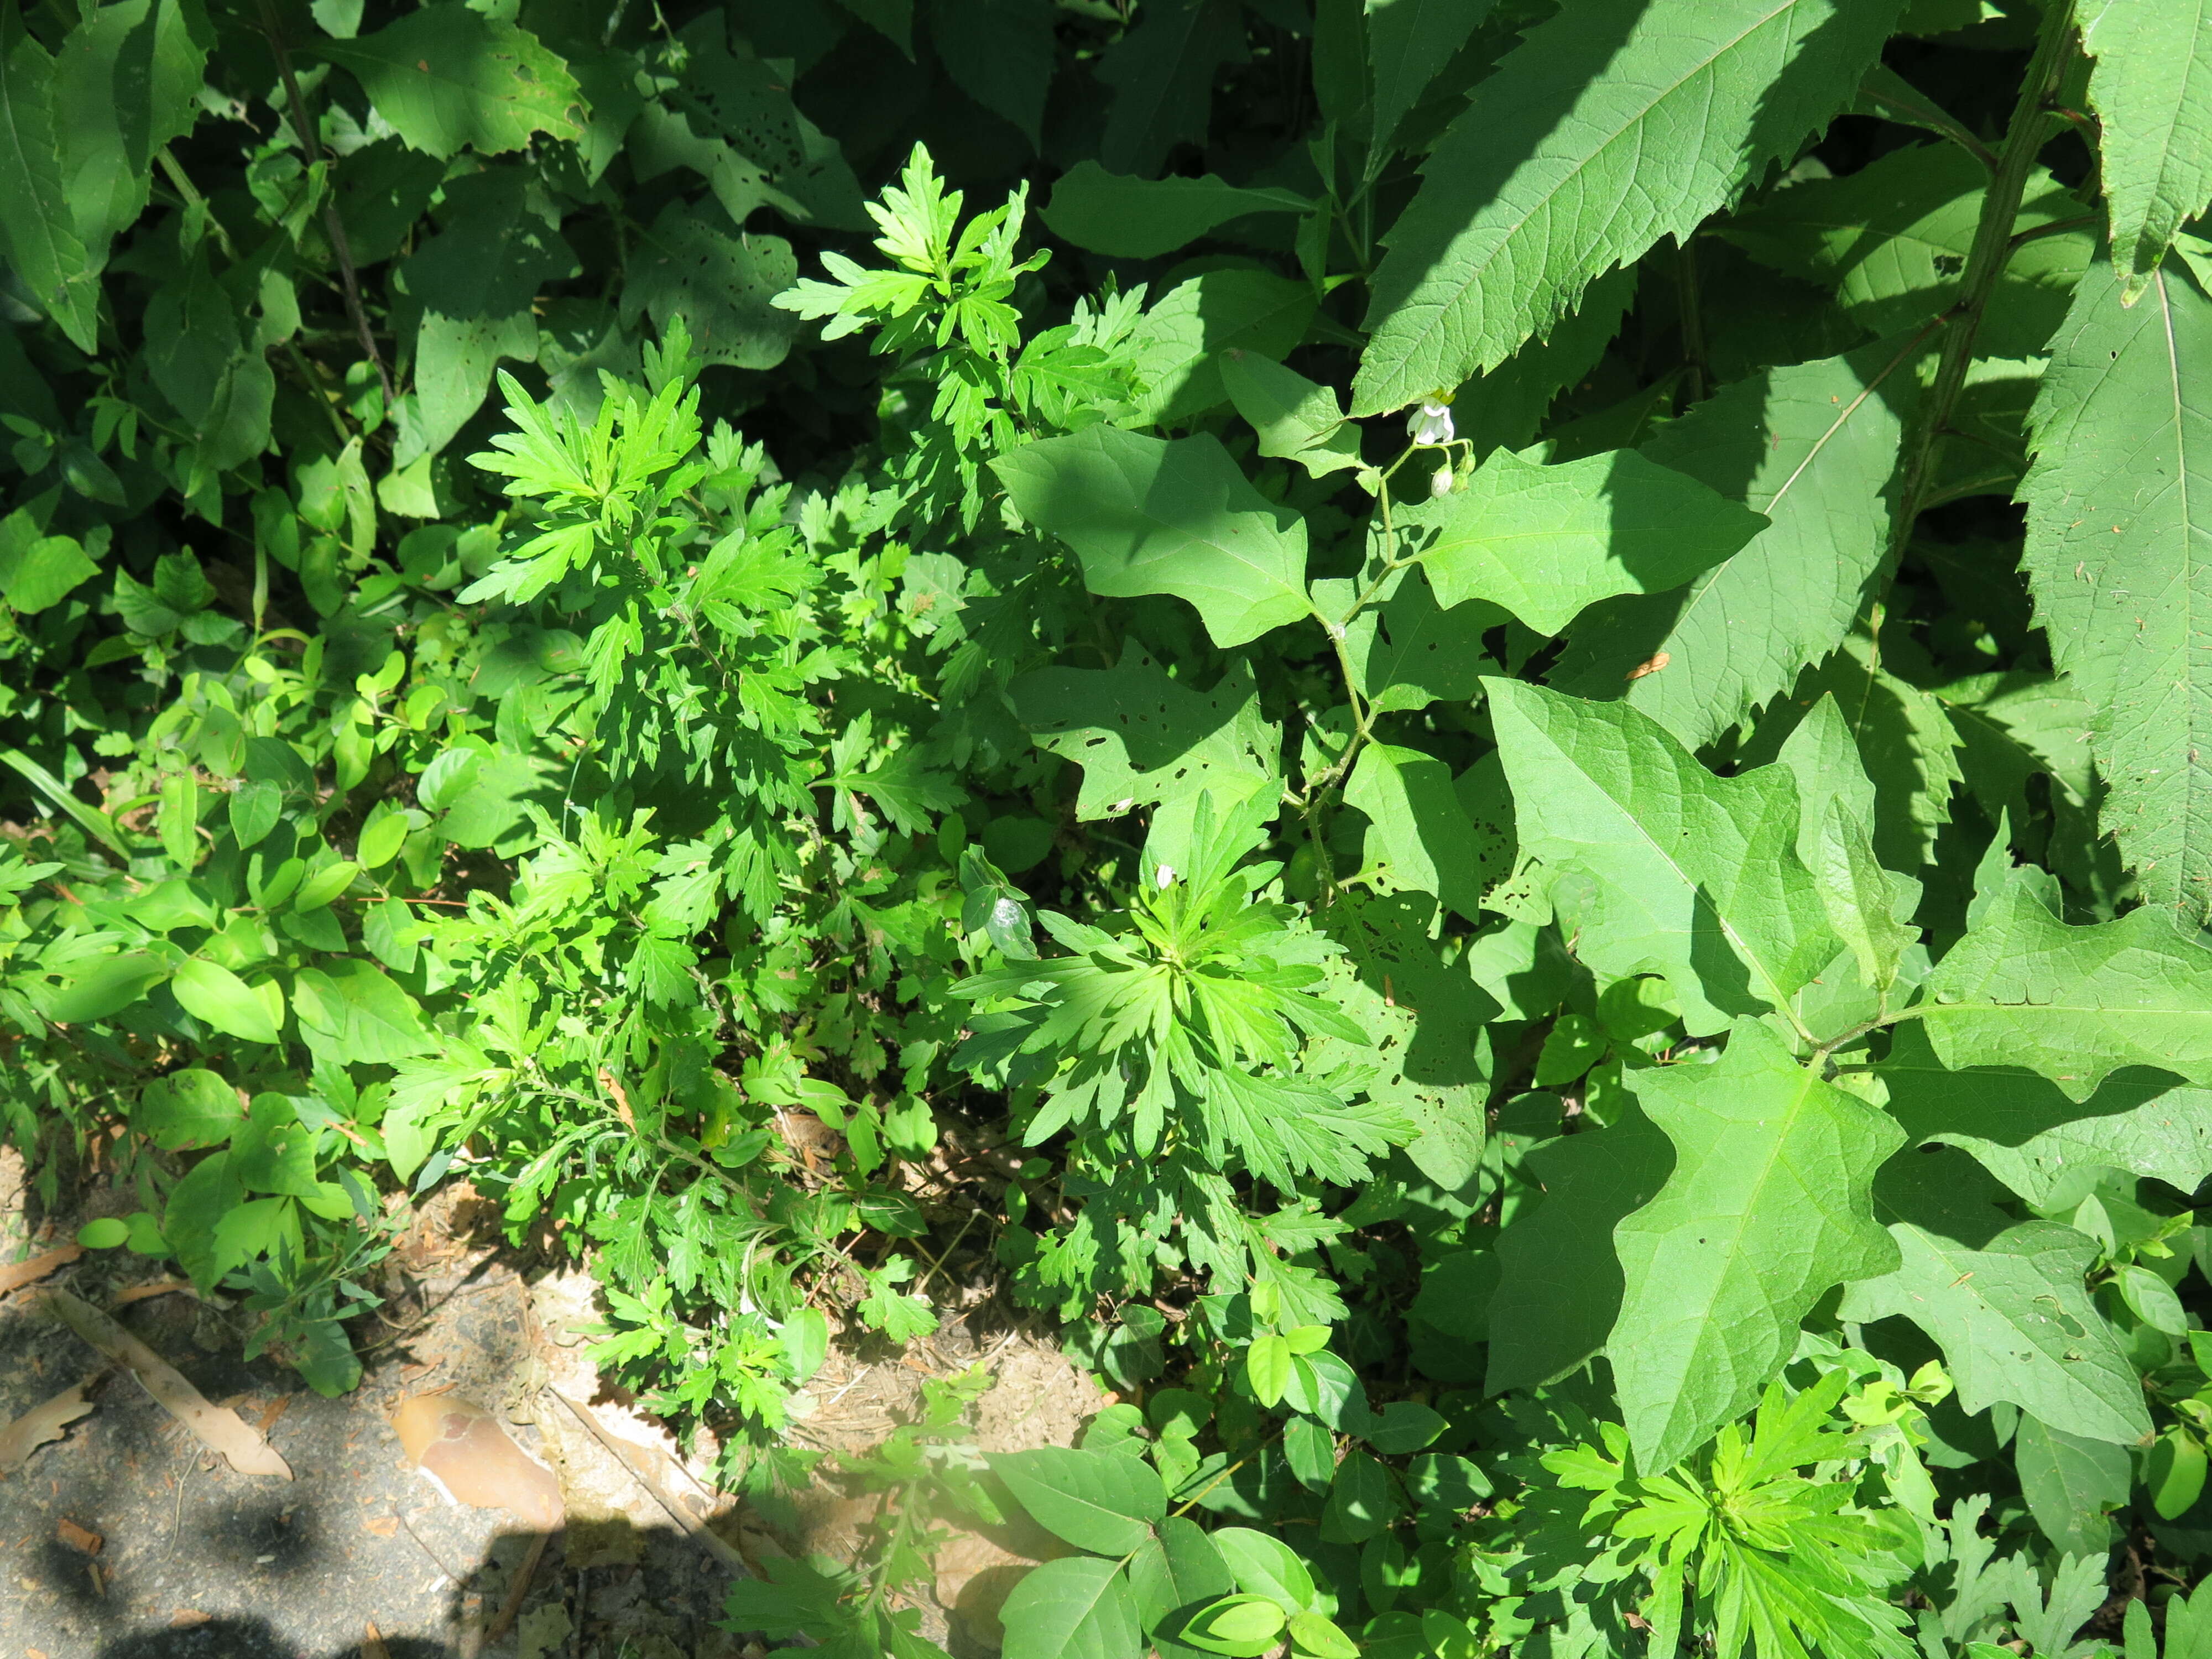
column 1663, row 867
column 1148, row 515
column 1144, row 218
column 1543, row 542
column 1767, row 1209
column 2023, row 988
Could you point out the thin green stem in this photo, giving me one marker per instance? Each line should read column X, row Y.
column 1985, row 261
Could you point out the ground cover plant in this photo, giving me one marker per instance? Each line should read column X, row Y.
column 1472, row 727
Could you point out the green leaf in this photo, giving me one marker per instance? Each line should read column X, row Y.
column 1268, row 1367
column 763, row 152
column 2013, row 1319
column 225, row 1001
column 127, row 82
column 1162, row 74
column 1421, row 837
column 1559, row 1282
column 1545, row 180
column 449, row 78
column 478, row 279
column 1144, row 218
column 2151, row 86
column 200, row 356
column 1180, row 1571
column 2174, row 1473
column 104, row 1234
column 2023, row 988
column 1296, row 419
column 37, row 572
column 2027, row 1133
column 1000, row 54
column 1077, row 1608
column 37, row 232
column 1901, row 739
column 690, row 265
column 2120, row 559
column 1238, row 1626
column 1869, row 908
column 1265, row 1566
column 1148, row 515
column 1363, row 1501
column 2072, row 1486
column 1543, row 541
column 350, row 1011
column 187, row 1109
column 1811, row 445
column 1143, row 739
column 1767, row 1209
column 1407, row 652
column 1893, row 238
column 1408, row 44
column 1180, row 342
column 1095, row 1500
column 1664, row 868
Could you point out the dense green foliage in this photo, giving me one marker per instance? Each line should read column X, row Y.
column 1352, row 691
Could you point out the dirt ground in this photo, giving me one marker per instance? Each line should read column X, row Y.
column 126, row 1538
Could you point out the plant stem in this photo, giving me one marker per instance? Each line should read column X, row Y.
column 333, row 226
column 1986, row 260
column 1692, row 317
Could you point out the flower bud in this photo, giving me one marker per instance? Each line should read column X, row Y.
column 1441, row 485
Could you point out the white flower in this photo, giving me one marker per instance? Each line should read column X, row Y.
column 1431, row 423
column 1163, row 877
column 1441, row 485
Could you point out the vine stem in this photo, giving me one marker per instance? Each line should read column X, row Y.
column 1993, row 243
column 333, row 224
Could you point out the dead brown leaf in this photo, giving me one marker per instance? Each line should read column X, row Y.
column 384, row 1526
column 372, row 1643
column 185, row 1618
column 42, row 1423
column 276, row 1409
column 461, row 1446
column 83, row 1540
column 17, row 1274
column 220, row 1430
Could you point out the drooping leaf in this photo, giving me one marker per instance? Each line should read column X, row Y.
column 1076, row 1608
column 1148, row 515
column 1892, row 239
column 1543, row 542
column 1143, row 218
column 1146, row 739
column 1296, row 420
column 1407, row 651
column 1560, row 1281
column 1869, row 907
column 477, row 280
column 1664, row 867
column 2032, row 1136
column 2072, row 1484
column 1162, row 75
column 449, row 78
column 1901, row 739
column 2120, row 559
column 1543, row 183
column 1408, row 44
column 1767, row 1209
column 690, row 265
column 1095, row 1500
column 2151, row 85
column 1420, row 834
column 1812, row 446
column 37, row 232
column 2076, row 1004
column 2007, row 1305
column 128, row 78
column 999, row 52
column 1181, row 340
